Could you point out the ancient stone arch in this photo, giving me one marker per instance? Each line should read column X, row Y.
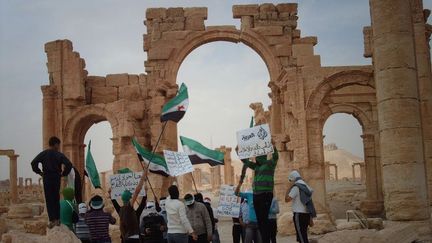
column 303, row 93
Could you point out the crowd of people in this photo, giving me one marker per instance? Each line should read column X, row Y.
column 173, row 219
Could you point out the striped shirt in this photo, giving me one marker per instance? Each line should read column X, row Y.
column 82, row 230
column 98, row 222
column 264, row 172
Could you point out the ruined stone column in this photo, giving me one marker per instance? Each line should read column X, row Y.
column 327, row 170
column 48, row 114
column 13, row 178
column 336, row 172
column 362, row 173
column 103, row 179
column 422, row 48
column 353, row 172
column 215, row 177
column 228, row 168
column 401, row 142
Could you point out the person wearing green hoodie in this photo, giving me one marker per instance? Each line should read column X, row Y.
column 263, row 185
column 68, row 212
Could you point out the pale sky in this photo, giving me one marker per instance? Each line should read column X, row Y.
column 223, row 78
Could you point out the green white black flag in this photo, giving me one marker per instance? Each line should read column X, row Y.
column 91, row 169
column 157, row 163
column 198, row 154
column 175, row 109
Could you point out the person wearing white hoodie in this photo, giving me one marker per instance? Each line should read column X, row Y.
column 179, row 227
column 303, row 209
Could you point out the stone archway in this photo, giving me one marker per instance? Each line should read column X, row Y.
column 335, row 95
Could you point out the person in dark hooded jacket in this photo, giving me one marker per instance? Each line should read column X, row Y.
column 302, row 205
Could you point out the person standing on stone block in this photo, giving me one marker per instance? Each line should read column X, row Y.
column 302, row 205
column 52, row 161
column 263, row 185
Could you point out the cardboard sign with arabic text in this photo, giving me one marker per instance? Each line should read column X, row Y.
column 254, row 141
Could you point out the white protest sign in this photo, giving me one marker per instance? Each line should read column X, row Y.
column 254, row 141
column 229, row 204
column 178, row 163
column 128, row 181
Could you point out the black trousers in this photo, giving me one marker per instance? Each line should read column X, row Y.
column 237, row 233
column 273, row 230
column 201, row 239
column 262, row 203
column 301, row 224
column 51, row 184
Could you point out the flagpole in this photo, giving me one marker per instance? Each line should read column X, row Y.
column 193, row 180
column 151, row 158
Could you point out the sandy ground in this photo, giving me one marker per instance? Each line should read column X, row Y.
column 225, row 230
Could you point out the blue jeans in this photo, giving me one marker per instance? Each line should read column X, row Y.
column 178, row 238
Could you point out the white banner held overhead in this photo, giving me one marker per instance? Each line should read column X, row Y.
column 229, row 205
column 128, row 181
column 254, row 141
column 178, row 163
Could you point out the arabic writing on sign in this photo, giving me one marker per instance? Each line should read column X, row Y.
column 254, row 141
column 229, row 204
column 178, row 163
column 121, row 182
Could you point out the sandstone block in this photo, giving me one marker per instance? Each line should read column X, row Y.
column 142, row 79
column 19, row 211
column 156, row 13
column 283, row 39
column 282, row 50
column 130, row 92
column 241, row 10
column 196, row 12
column 172, row 26
column 289, row 23
column 104, row 94
column 95, row 81
column 375, row 223
column 287, row 8
column 269, row 30
column 175, row 12
column 177, row 35
column 161, row 53
column 61, row 234
column 35, row 227
column 195, row 23
column 306, row 40
column 286, row 224
column 3, row 227
column 137, row 109
column 304, row 61
column 302, row 50
column 322, row 225
column 267, row 7
column 133, row 79
column 342, row 224
column 116, row 80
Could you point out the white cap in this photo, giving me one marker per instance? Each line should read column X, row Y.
column 82, row 208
